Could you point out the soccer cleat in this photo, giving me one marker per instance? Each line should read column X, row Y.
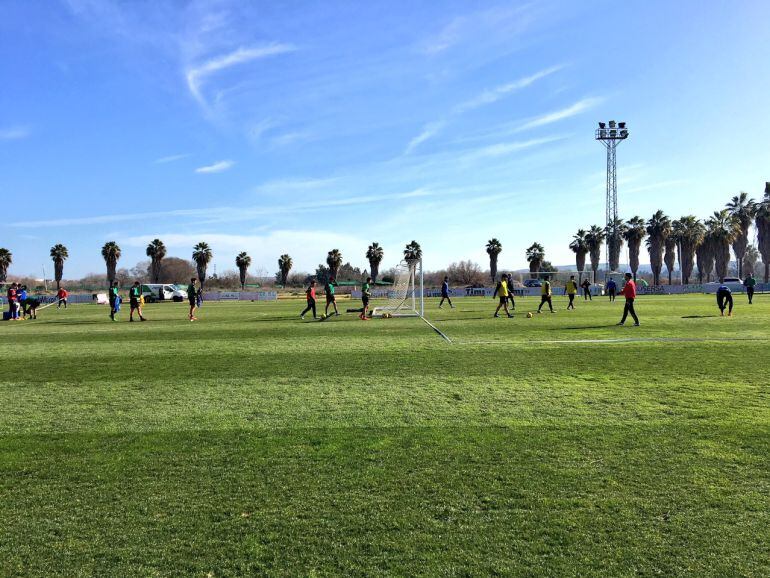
column 636, row 324
column 621, row 323
column 497, row 315
column 510, row 316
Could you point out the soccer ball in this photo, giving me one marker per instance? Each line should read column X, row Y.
column 323, row 316
column 529, row 315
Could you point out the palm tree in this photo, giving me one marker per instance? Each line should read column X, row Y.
column 750, row 260
column 535, row 256
column 494, row 248
column 156, row 250
column 688, row 233
column 59, row 254
column 634, row 234
column 579, row 246
column 374, row 255
column 334, row 262
column 243, row 262
column 670, row 255
column 615, row 231
column 412, row 253
column 762, row 221
column 705, row 255
column 723, row 228
column 6, row 258
column 594, row 239
column 202, row 256
column 111, row 254
column 658, row 230
column 284, row 266
column 743, row 209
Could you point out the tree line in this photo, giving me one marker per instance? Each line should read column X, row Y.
column 688, row 240
column 705, row 243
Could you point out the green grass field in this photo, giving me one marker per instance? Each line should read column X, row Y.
column 252, row 442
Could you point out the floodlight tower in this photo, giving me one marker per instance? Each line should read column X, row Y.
column 611, row 136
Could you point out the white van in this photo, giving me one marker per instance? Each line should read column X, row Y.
column 163, row 292
column 735, row 285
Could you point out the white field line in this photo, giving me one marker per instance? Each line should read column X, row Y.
column 613, row 340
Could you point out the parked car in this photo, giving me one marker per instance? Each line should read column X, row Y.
column 533, row 283
column 163, row 292
column 733, row 283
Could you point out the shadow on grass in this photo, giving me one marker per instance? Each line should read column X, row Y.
column 584, row 327
column 698, row 316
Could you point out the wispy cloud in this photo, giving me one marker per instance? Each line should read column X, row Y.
column 493, row 95
column 170, row 159
column 429, row 131
column 14, row 133
column 217, row 167
column 501, row 149
column 564, row 113
column 224, row 214
column 197, row 75
column 290, row 138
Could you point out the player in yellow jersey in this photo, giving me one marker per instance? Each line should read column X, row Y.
column 545, row 295
column 501, row 291
column 571, row 289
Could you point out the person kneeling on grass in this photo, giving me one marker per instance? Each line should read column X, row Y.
column 545, row 296
column 331, row 299
column 725, row 300
column 366, row 294
column 192, row 298
column 502, row 291
column 30, row 307
column 629, row 292
column 310, row 296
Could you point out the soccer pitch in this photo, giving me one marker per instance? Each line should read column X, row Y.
column 251, row 442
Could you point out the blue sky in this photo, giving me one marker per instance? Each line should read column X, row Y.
column 299, row 127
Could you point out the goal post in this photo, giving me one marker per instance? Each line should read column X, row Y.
column 406, row 296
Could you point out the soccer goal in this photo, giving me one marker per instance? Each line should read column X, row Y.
column 405, row 297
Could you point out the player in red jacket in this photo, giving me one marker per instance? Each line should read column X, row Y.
column 62, row 295
column 629, row 292
column 310, row 296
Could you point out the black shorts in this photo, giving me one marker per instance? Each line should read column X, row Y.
column 134, row 304
column 330, row 298
column 192, row 302
column 503, row 300
column 365, row 300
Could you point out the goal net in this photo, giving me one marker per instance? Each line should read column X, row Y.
column 405, row 297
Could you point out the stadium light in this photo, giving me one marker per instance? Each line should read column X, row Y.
column 610, row 138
